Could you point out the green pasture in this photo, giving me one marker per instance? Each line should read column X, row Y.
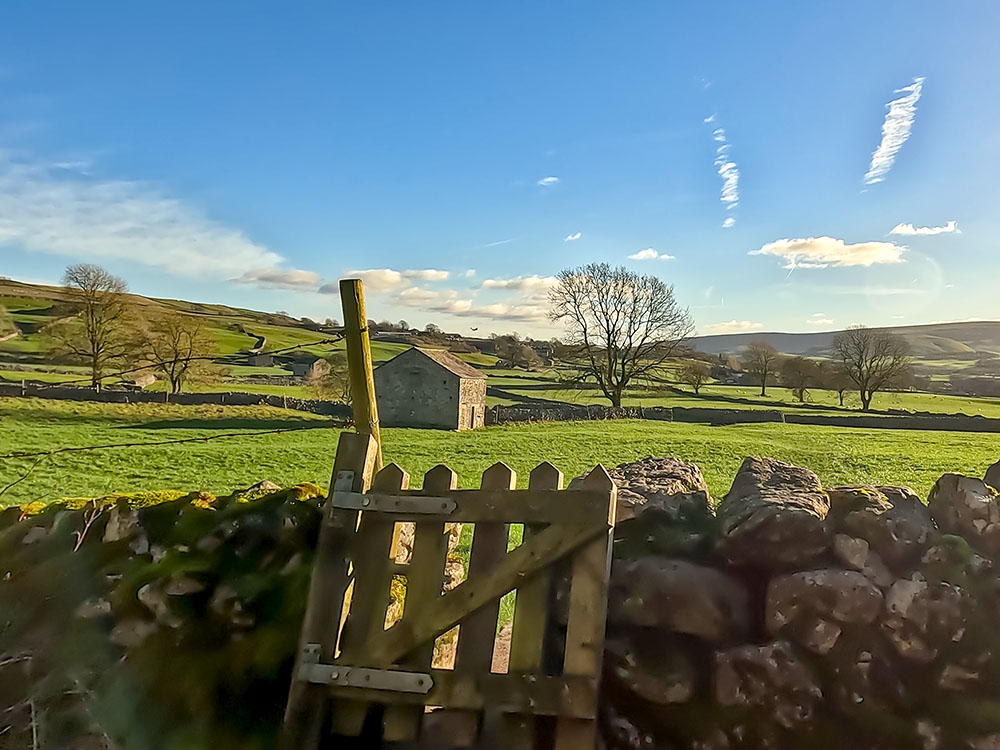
column 838, row 455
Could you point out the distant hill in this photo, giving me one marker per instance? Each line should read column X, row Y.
column 940, row 341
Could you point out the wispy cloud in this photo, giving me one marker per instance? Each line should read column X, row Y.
column 574, row 236
column 534, row 283
column 469, row 273
column 381, row 280
column 281, row 278
column 734, row 326
column 895, row 130
column 819, row 319
column 909, row 229
column 548, row 181
column 498, row 242
column 823, row 252
column 60, row 210
column 427, row 274
column 727, row 170
column 650, row 254
column 449, row 302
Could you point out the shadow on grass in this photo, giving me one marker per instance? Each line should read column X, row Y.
column 234, row 424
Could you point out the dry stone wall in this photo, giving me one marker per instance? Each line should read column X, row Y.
column 790, row 615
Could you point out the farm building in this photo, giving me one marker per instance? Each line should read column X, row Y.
column 260, row 360
column 430, row 388
column 305, row 368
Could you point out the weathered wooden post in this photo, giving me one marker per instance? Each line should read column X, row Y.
column 359, row 363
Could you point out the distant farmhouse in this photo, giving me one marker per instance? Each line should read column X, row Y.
column 309, row 366
column 260, row 360
column 430, row 388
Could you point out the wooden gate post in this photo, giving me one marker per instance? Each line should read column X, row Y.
column 359, row 363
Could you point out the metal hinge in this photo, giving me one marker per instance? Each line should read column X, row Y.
column 310, row 670
column 392, row 503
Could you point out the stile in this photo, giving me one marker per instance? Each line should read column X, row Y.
column 306, row 708
column 374, row 557
column 531, row 613
column 587, row 616
column 424, row 583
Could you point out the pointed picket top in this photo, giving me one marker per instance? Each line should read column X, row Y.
column 599, row 479
column 391, row 477
column 440, row 479
column 499, row 477
column 545, row 476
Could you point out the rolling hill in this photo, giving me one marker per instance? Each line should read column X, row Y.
column 939, row 341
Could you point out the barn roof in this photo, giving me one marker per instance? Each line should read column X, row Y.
column 448, row 361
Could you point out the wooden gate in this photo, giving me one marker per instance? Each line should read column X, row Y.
column 359, row 675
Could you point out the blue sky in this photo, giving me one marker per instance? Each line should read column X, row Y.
column 786, row 165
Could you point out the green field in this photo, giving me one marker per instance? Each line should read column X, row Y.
column 916, row 458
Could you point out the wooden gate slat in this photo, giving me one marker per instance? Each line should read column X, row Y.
column 587, row 617
column 374, row 556
column 424, row 582
column 531, row 610
column 306, row 709
column 477, row 632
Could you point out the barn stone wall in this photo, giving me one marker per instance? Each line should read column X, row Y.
column 414, row 391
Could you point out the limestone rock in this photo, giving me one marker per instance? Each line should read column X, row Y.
column 641, row 662
column 921, row 618
column 667, row 483
column 969, row 508
column 770, row 678
column 773, row 515
column 812, row 606
column 679, row 596
column 858, row 555
column 893, row 520
column 992, row 477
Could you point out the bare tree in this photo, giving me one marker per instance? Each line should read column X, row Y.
column 176, row 346
column 799, row 374
column 100, row 333
column 333, row 382
column 695, row 374
column 874, row 359
column 833, row 377
column 621, row 327
column 761, row 360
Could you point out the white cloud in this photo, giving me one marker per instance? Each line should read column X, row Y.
column 819, row 319
column 427, row 274
column 574, row 236
column 548, row 181
column 280, row 278
column 469, row 273
column 734, row 326
column 55, row 209
column 821, row 252
column 710, row 118
column 449, row 302
column 534, row 283
column 728, row 222
column 498, row 242
column 895, row 130
column 650, row 254
column 375, row 280
column 909, row 229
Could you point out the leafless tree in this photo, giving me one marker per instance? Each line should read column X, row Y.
column 695, row 374
column 833, row 377
column 799, row 374
column 873, row 359
column 176, row 346
column 333, row 382
column 100, row 334
column 621, row 327
column 760, row 360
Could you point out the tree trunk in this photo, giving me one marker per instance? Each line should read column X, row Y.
column 95, row 372
column 866, row 401
column 616, row 400
column 841, row 394
column 763, row 385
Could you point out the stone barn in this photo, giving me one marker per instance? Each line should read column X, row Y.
column 430, row 388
